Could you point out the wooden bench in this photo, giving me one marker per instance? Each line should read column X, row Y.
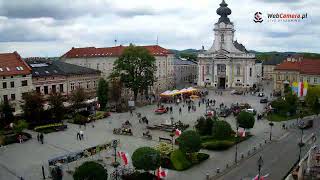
column 165, row 140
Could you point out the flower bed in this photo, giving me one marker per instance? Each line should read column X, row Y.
column 220, row 145
column 50, row 128
column 13, row 138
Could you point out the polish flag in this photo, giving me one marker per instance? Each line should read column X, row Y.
column 162, row 173
column 261, row 177
column 242, row 133
column 124, row 156
column 178, row 132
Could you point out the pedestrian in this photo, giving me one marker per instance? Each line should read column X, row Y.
column 170, row 109
column 78, row 136
column 38, row 137
column 180, row 110
column 167, row 108
column 189, row 108
column 199, row 103
column 41, row 138
column 81, row 135
column 20, row 139
column 147, row 122
column 92, row 125
column 131, row 112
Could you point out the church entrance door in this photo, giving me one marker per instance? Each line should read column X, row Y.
column 222, row 83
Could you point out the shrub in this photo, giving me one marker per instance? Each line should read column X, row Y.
column 245, row 120
column 221, row 130
column 204, row 126
column 217, row 145
column 202, row 156
column 165, row 162
column 90, row 171
column 47, row 126
column 146, row 158
column 79, row 119
column 164, row 148
column 189, row 141
column 13, row 138
column 20, row 126
column 179, row 160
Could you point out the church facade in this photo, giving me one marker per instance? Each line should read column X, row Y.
column 227, row 64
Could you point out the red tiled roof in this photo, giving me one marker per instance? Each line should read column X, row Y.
column 306, row 66
column 111, row 51
column 12, row 64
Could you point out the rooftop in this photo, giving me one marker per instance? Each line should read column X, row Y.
column 183, row 62
column 43, row 67
column 12, row 64
column 305, row 66
column 88, row 52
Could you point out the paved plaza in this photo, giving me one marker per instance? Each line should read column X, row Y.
column 26, row 159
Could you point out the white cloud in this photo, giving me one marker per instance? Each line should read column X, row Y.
column 50, row 28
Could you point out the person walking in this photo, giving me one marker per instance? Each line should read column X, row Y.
column 180, row 111
column 81, row 135
column 170, row 109
column 41, row 138
column 131, row 113
column 199, row 103
column 38, row 137
column 78, row 136
column 189, row 108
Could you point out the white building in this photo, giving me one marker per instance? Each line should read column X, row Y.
column 227, row 63
column 103, row 59
column 15, row 79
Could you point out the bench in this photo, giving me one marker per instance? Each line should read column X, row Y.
column 165, row 140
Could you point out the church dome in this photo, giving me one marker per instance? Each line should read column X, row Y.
column 224, row 11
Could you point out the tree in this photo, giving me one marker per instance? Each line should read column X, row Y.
column 189, row 142
column 221, row 130
column 245, row 120
column 56, row 106
column 6, row 113
column 102, row 93
column 90, row 171
column 204, row 126
column 135, row 68
column 116, row 89
column 32, row 106
column 78, row 96
column 20, row 126
column 312, row 94
column 189, row 56
column 146, row 158
column 292, row 102
column 316, row 107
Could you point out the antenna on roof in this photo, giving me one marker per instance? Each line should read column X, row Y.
column 115, row 41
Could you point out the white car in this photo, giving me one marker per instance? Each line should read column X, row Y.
column 260, row 94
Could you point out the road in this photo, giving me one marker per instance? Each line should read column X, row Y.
column 278, row 157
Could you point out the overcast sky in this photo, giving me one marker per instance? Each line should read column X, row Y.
column 52, row 27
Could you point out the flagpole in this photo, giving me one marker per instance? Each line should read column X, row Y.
column 236, row 155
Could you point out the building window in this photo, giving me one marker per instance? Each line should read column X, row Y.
column 308, row 79
column 301, row 79
column 5, row 98
column 46, row 90
column 72, row 86
column 250, row 72
column 4, row 85
column 88, row 84
column 12, row 84
column 61, row 87
column 38, row 90
column 315, row 80
column 13, row 97
column 54, row 88
column 24, row 83
column 238, row 70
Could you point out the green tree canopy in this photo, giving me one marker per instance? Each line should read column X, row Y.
column 291, row 102
column 189, row 141
column 56, row 105
column 245, row 120
column 189, row 56
column 135, row 67
column 32, row 106
column 312, row 94
column 90, row 171
column 316, row 107
column 78, row 96
column 103, row 93
column 221, row 129
column 6, row 113
column 146, row 158
column 204, row 126
column 20, row 126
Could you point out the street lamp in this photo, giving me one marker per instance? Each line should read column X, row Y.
column 260, row 163
column 236, row 155
column 115, row 164
column 271, row 124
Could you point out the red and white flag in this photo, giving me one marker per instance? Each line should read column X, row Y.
column 162, row 173
column 242, row 133
column 124, row 156
column 261, row 177
column 178, row 132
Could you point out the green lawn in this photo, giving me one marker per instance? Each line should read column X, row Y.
column 210, row 143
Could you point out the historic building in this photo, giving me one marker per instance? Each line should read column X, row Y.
column 185, row 72
column 103, row 59
column 227, row 63
column 15, row 79
column 296, row 70
column 56, row 76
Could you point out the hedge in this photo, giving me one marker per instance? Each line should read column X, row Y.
column 202, row 156
column 179, row 160
column 48, row 126
column 217, row 145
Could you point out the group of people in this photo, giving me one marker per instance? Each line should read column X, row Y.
column 40, row 137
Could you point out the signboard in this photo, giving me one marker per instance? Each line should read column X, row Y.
column 131, row 103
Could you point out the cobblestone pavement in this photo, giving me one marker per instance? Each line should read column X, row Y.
column 26, row 159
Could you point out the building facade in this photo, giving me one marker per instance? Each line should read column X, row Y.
column 296, row 70
column 227, row 63
column 103, row 59
column 60, row 77
column 15, row 79
column 185, row 72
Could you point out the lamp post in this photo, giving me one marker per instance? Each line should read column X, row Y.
column 271, row 125
column 236, row 155
column 115, row 164
column 260, row 164
column 301, row 144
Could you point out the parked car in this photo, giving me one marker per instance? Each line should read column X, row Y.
column 260, row 94
column 237, row 92
column 225, row 112
column 306, row 125
column 264, row 100
column 161, row 111
column 253, row 111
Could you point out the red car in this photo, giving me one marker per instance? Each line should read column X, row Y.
column 160, row 111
